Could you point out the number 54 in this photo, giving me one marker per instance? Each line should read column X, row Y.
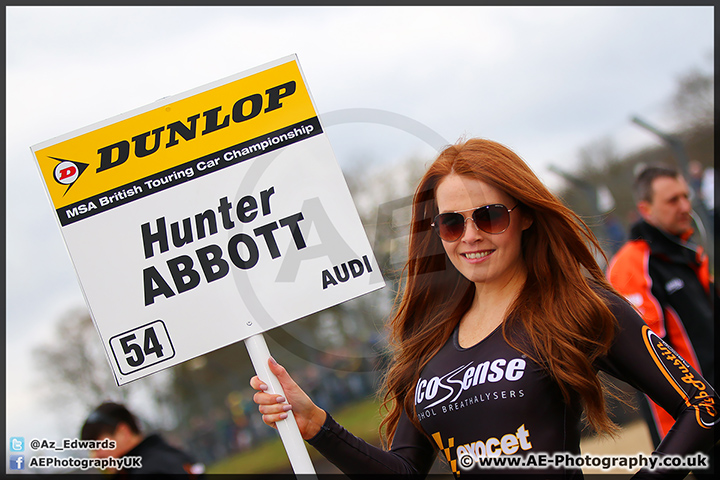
column 142, row 347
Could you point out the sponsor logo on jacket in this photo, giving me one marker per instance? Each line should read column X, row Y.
column 450, row 386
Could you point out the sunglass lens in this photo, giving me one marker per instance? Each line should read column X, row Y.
column 450, row 226
column 492, row 218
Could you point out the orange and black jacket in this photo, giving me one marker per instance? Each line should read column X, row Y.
column 668, row 281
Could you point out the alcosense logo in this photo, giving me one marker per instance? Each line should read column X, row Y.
column 454, row 383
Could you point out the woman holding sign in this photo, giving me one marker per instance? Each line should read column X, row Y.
column 498, row 337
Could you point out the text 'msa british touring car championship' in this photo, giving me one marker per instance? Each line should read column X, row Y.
column 207, row 218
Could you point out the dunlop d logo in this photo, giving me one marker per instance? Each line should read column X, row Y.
column 67, row 172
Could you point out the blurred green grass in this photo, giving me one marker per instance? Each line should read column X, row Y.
column 361, row 418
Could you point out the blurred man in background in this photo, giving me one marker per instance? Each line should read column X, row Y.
column 115, row 422
column 666, row 276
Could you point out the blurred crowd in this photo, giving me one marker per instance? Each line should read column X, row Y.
column 334, row 379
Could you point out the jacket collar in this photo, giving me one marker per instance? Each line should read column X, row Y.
column 672, row 247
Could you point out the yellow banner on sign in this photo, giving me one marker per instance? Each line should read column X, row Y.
column 175, row 133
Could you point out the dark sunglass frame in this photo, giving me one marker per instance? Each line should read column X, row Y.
column 476, row 211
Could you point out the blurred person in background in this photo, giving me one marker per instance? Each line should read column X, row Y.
column 115, row 422
column 707, row 190
column 667, row 277
column 702, row 181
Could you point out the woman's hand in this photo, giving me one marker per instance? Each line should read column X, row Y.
column 275, row 407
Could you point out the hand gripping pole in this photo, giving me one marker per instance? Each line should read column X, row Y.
column 288, row 429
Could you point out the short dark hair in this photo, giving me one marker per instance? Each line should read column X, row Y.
column 642, row 187
column 105, row 419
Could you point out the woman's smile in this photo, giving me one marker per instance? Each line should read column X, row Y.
column 472, row 256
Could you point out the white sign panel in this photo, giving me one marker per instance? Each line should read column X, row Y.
column 206, row 218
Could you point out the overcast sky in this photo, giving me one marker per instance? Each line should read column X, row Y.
column 546, row 81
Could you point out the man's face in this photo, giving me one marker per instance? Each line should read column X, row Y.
column 670, row 207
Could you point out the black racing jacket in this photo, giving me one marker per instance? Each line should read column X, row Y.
column 680, row 283
column 156, row 456
column 490, row 403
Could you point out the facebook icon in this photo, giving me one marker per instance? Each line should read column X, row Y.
column 17, row 462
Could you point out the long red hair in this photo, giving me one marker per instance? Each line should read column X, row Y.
column 564, row 323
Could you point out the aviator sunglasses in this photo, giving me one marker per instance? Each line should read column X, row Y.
column 493, row 219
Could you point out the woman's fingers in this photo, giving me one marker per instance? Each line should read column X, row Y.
column 279, row 372
column 257, row 384
column 272, row 406
column 275, row 407
column 277, row 410
column 286, row 381
column 271, row 414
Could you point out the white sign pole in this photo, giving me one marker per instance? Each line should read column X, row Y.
column 288, row 429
